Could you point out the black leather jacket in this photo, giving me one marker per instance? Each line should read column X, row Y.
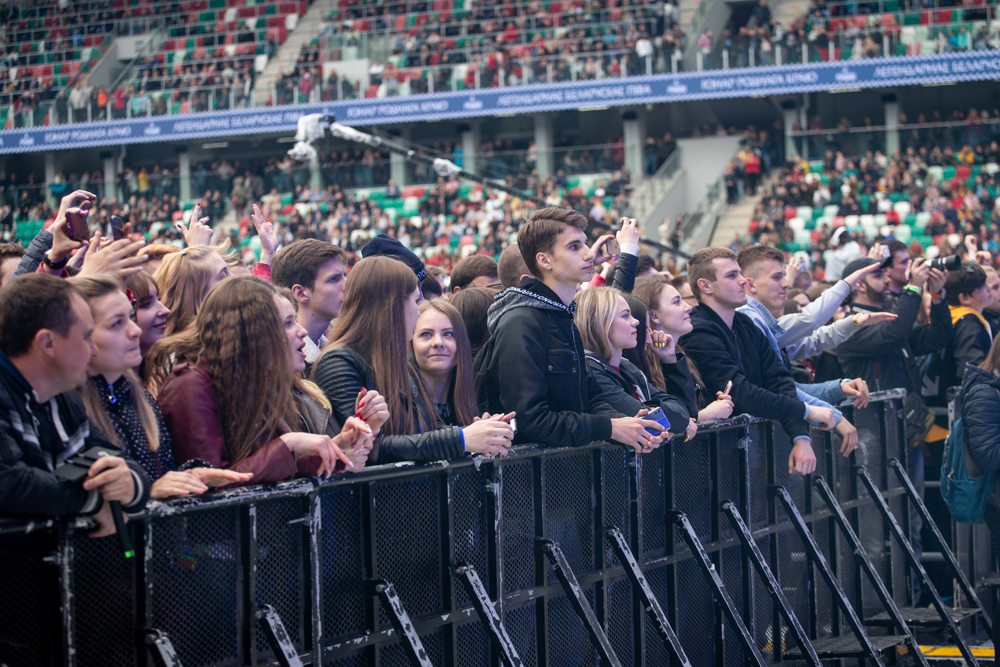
column 616, row 388
column 534, row 365
column 341, row 373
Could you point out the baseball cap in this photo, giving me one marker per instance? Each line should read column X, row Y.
column 861, row 263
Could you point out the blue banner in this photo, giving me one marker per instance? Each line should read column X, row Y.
column 713, row 84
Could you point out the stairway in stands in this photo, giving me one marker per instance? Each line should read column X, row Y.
column 310, row 25
column 735, row 221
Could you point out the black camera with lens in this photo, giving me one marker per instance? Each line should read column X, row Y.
column 949, row 263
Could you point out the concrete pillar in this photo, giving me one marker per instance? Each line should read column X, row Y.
column 790, row 118
column 470, row 146
column 185, row 175
column 891, row 123
column 544, row 142
column 50, row 174
column 634, row 133
column 109, row 178
column 397, row 163
column 804, row 125
column 315, row 178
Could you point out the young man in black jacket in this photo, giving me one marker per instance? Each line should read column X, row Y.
column 968, row 297
column 45, row 348
column 728, row 347
column 534, row 363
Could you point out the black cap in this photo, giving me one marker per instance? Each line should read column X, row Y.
column 383, row 244
column 862, row 262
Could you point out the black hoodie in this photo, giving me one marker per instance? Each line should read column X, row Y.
column 762, row 386
column 534, row 365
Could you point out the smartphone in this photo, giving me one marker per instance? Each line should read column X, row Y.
column 117, row 228
column 656, row 415
column 611, row 248
column 77, row 223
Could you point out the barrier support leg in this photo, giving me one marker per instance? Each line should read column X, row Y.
column 863, row 642
column 278, row 637
column 576, row 597
column 640, row 586
column 502, row 643
column 911, row 556
column 963, row 581
column 773, row 587
column 161, row 649
column 891, row 610
column 751, row 653
column 400, row 621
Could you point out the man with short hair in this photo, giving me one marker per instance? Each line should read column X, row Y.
column 315, row 271
column 899, row 257
column 767, row 287
column 45, row 348
column 474, row 271
column 727, row 347
column 968, row 297
column 683, row 288
column 534, row 363
column 10, row 258
column 511, row 267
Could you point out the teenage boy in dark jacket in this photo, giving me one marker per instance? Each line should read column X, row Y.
column 534, row 363
column 968, row 297
column 728, row 347
column 45, row 348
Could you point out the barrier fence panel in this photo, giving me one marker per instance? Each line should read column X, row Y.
column 306, row 548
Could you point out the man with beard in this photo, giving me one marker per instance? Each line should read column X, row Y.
column 884, row 355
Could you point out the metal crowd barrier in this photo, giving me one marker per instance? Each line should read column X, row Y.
column 349, row 564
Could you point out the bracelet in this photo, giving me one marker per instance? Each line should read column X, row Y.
column 855, row 319
column 55, row 266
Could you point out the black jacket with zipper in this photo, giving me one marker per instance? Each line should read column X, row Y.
column 980, row 402
column 762, row 386
column 36, row 438
column 341, row 373
column 617, row 389
column 534, row 365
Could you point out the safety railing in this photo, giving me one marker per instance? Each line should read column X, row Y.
column 353, row 564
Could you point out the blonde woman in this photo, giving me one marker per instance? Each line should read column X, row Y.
column 184, row 279
column 607, row 328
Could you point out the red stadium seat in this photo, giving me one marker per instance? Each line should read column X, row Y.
column 246, row 12
column 790, row 213
column 372, row 91
column 962, row 172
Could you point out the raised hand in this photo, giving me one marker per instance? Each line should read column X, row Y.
column 268, row 237
column 197, row 231
column 596, row 249
column 664, row 346
column 122, row 258
column 371, row 408
column 855, row 278
column 629, row 233
column 867, row 319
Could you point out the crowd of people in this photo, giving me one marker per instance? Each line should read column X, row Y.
column 155, row 354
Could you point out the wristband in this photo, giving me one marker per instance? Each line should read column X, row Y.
column 854, row 319
column 912, row 288
column 55, row 266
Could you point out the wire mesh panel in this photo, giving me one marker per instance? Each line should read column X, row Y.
column 615, row 475
column 656, row 651
column 569, row 643
column 824, row 597
column 193, row 577
column 473, row 644
column 278, row 559
column 756, row 436
column 517, row 518
column 394, row 655
column 569, row 509
column 732, row 577
column 793, row 568
column 520, row 624
column 900, row 591
column 30, row 629
column 104, row 597
column 468, row 506
column 408, row 551
column 763, row 624
column 619, row 629
column 655, row 468
column 729, row 475
column 340, row 564
column 693, row 484
column 695, row 614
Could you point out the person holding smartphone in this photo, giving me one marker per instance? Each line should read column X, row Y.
column 607, row 328
column 45, row 350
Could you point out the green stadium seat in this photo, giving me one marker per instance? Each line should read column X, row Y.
column 949, row 173
column 910, row 220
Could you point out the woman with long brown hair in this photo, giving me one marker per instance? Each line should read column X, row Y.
column 232, row 404
column 117, row 404
column 184, row 279
column 669, row 320
column 440, row 349
column 368, row 349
